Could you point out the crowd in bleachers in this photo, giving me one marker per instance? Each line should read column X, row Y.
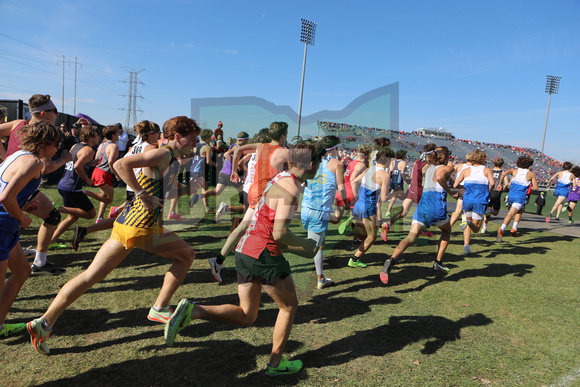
column 544, row 165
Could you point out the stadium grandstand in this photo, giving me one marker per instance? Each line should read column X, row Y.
column 354, row 135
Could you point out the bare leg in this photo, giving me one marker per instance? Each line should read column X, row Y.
column 20, row 269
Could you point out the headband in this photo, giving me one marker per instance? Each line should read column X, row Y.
column 331, row 148
column 243, row 138
column 42, row 108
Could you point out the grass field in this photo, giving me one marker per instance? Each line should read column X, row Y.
column 506, row 316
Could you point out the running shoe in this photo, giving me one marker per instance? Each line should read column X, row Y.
column 215, row 269
column 11, row 329
column 98, row 220
column 514, row 232
column 565, row 205
column 324, row 282
column 48, row 269
column 483, row 230
column 222, row 209
column 194, row 199
column 342, row 227
column 286, row 367
column 468, row 252
column 463, row 226
column 29, row 252
column 426, row 233
column 175, row 217
column 78, row 236
column 353, row 263
column 499, row 234
column 113, row 212
column 571, row 221
column 439, row 266
column 178, row 321
column 557, row 218
column 388, row 214
column 387, row 267
column 548, row 218
column 38, row 336
column 488, row 216
column 384, row 231
column 57, row 246
column 160, row 316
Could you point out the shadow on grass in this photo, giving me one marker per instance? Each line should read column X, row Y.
column 493, row 270
column 392, row 337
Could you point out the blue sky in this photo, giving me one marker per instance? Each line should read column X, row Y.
column 478, row 69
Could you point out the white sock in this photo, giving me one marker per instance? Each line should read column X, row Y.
column 503, row 226
column 515, row 226
column 40, row 259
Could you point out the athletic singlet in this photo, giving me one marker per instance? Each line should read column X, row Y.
column 14, row 139
column 518, row 187
column 136, row 149
column 476, row 186
column 564, row 181
column 320, row 191
column 135, row 215
column 227, row 168
column 496, row 175
column 459, row 173
column 249, row 180
column 434, row 198
column 258, row 235
column 7, row 222
column 369, row 190
column 417, row 177
column 264, row 172
column 396, row 176
column 347, row 184
column 104, row 158
column 198, row 164
column 71, row 181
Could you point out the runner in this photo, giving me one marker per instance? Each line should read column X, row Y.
column 260, row 263
column 397, row 183
column 517, row 196
column 374, row 182
column 20, row 177
column 574, row 194
column 317, row 202
column 478, row 182
column 431, row 210
column 137, row 226
column 563, row 182
column 495, row 194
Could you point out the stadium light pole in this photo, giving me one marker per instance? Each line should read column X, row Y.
column 307, row 35
column 552, row 87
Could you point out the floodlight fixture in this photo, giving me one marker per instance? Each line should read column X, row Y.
column 307, row 35
column 552, row 87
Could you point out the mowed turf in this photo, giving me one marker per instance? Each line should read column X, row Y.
column 508, row 315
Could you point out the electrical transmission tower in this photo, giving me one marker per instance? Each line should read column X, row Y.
column 132, row 108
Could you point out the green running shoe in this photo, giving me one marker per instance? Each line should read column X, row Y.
column 11, row 329
column 38, row 336
column 286, row 367
column 342, row 227
column 353, row 263
column 179, row 320
column 161, row 316
column 439, row 266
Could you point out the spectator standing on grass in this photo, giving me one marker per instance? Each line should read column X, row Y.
column 431, row 210
column 260, row 263
column 20, row 176
column 42, row 109
column 540, row 203
column 137, row 226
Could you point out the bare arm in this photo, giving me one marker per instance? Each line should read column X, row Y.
column 442, row 176
column 85, row 156
column 113, row 153
column 238, row 152
column 19, row 175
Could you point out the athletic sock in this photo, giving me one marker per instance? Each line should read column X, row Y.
column 515, row 226
column 355, row 258
column 503, row 226
column 40, row 259
column 219, row 258
column 160, row 309
column 45, row 325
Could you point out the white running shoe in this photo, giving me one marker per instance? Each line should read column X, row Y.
column 222, row 209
